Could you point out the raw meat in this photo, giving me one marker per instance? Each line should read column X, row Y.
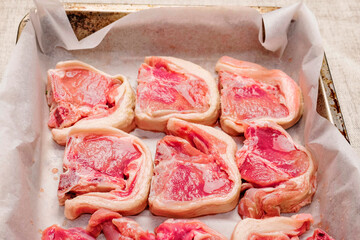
column 80, row 95
column 275, row 228
column 250, row 91
column 281, row 175
column 186, row 230
column 57, row 233
column 195, row 172
column 116, row 227
column 104, row 168
column 320, row 235
column 171, row 87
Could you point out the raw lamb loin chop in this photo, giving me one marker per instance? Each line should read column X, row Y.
column 320, row 235
column 171, row 87
column 195, row 173
column 55, row 232
column 281, row 175
column 252, row 92
column 186, row 230
column 80, row 95
column 280, row 228
column 104, row 168
column 116, row 227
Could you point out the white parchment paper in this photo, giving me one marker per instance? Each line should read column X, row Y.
column 31, row 162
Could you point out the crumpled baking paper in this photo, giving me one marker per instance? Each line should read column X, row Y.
column 288, row 39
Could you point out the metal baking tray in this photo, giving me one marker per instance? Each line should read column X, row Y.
column 86, row 19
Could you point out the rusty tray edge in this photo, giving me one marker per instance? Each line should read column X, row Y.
column 327, row 104
column 327, row 91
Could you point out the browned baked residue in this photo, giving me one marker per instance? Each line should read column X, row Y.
column 56, row 178
column 41, row 190
column 31, row 222
column 40, row 231
column 54, row 170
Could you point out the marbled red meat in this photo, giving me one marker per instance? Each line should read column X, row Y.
column 279, row 173
column 195, row 172
column 80, row 94
column 275, row 228
column 55, row 232
column 104, row 168
column 245, row 98
column 186, row 230
column 162, row 88
column 171, row 87
column 116, row 227
column 273, row 158
column 96, row 162
column 320, row 234
column 252, row 92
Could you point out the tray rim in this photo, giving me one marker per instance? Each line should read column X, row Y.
column 326, row 83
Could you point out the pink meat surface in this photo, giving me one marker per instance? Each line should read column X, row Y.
column 280, row 174
column 275, row 228
column 320, row 234
column 186, row 230
column 164, row 86
column 246, row 98
column 190, row 166
column 195, row 172
column 55, row 232
column 115, row 227
column 252, row 92
column 77, row 93
column 97, row 163
column 275, row 237
column 270, row 157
